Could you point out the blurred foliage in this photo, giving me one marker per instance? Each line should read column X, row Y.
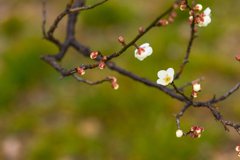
column 67, row 120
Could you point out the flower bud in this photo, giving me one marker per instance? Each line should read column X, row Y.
column 80, row 71
column 192, row 129
column 163, row 22
column 196, row 87
column 198, row 7
column 238, row 57
column 115, row 85
column 191, row 12
column 175, row 6
column 190, row 19
column 93, row 55
column 121, row 40
column 173, row 14
column 183, row 7
column 112, row 79
column 198, row 130
column 191, row 134
column 179, row 133
column 141, row 29
column 101, row 65
column 237, row 148
column 104, row 58
column 238, row 154
column 194, row 94
column 170, row 19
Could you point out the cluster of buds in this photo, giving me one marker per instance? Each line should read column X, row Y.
column 195, row 132
column 179, row 133
column 113, row 81
column 80, row 71
column 196, row 88
column 238, row 57
column 238, row 150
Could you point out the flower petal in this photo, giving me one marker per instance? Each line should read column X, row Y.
column 149, row 51
column 144, row 45
column 170, row 72
column 162, row 82
column 162, row 74
column 207, row 11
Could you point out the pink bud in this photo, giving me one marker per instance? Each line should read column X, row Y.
column 198, row 130
column 141, row 29
column 173, row 14
column 170, row 19
column 194, row 94
column 238, row 154
column 101, row 65
column 175, row 6
column 192, row 129
column 238, row 57
column 190, row 19
column 93, row 55
column 115, row 85
column 191, row 134
column 121, row 40
column 112, row 79
column 183, row 7
column 104, row 58
column 163, row 22
column 80, row 71
column 237, row 148
column 191, row 12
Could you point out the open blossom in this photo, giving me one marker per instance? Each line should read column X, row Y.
column 196, row 87
column 143, row 51
column 165, row 77
column 206, row 17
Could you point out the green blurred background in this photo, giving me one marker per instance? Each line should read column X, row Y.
column 42, row 117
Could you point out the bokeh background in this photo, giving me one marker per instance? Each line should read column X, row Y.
column 42, row 117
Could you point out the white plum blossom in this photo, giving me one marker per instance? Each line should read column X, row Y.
column 143, row 51
column 196, row 87
column 206, row 17
column 179, row 133
column 165, row 77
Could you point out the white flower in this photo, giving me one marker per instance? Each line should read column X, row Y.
column 165, row 77
column 206, row 17
column 179, row 133
column 196, row 87
column 143, row 51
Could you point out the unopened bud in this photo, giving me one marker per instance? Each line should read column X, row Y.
column 238, row 154
column 121, row 40
column 191, row 134
column 179, row 133
column 175, row 6
column 80, row 71
column 93, row 55
column 192, row 129
column 163, row 22
column 101, row 65
column 194, row 94
column 112, row 79
column 237, row 148
column 195, row 29
column 104, row 58
column 173, row 14
column 190, row 19
column 238, row 57
column 115, row 85
column 183, row 7
column 191, row 12
column 170, row 19
column 198, row 7
column 141, row 29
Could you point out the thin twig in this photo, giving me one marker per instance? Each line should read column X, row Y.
column 86, row 7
